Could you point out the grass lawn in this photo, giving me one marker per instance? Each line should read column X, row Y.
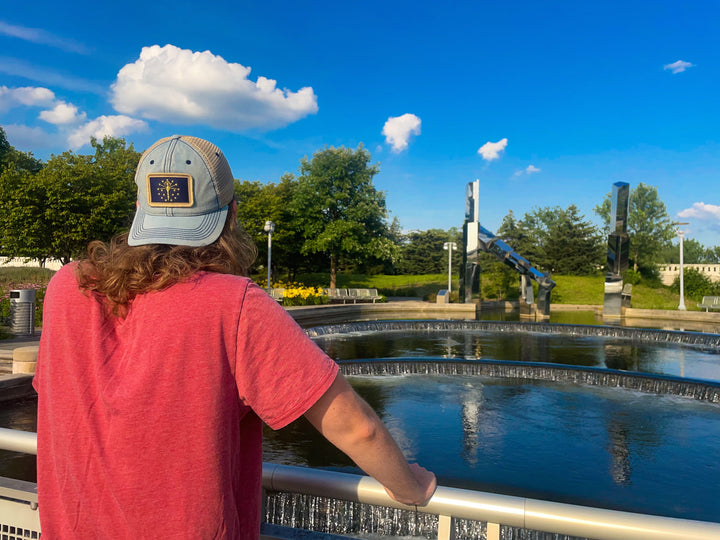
column 582, row 290
column 645, row 297
column 420, row 285
column 17, row 275
column 591, row 290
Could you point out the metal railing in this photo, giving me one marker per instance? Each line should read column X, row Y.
column 447, row 503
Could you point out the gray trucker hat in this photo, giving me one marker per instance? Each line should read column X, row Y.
column 184, row 188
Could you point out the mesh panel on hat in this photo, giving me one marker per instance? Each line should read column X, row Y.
column 218, row 165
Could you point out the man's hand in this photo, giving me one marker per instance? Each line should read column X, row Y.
column 426, row 483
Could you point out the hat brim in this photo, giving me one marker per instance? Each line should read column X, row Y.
column 193, row 231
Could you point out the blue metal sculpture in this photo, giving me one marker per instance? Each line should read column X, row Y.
column 476, row 237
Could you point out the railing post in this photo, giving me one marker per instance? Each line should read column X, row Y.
column 493, row 531
column 446, row 528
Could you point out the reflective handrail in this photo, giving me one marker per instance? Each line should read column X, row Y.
column 18, row 441
column 519, row 512
column 447, row 502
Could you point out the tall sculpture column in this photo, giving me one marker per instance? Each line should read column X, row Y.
column 470, row 273
column 618, row 250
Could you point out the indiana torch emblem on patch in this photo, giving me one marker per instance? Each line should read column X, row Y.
column 170, row 190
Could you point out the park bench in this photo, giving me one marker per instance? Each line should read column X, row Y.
column 277, row 293
column 363, row 295
column 337, row 294
column 626, row 295
column 356, row 295
column 710, row 302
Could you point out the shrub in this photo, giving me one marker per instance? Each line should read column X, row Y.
column 695, row 285
column 631, row 276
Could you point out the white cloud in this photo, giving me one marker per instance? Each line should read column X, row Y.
column 110, row 126
column 180, row 86
column 29, row 139
column 530, row 169
column 702, row 212
column 63, row 113
column 25, row 96
column 678, row 67
column 37, row 35
column 490, row 150
column 397, row 130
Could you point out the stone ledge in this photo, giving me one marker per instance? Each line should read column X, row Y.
column 340, row 313
column 671, row 314
column 16, row 387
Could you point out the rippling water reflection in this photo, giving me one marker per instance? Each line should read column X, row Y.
column 604, row 447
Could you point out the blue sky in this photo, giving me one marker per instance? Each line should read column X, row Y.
column 546, row 103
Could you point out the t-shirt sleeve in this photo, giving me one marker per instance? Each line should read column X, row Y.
column 280, row 372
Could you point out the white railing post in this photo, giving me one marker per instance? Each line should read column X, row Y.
column 493, row 531
column 446, row 528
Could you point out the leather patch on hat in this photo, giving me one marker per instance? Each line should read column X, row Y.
column 170, row 190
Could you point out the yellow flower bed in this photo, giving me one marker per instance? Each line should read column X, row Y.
column 297, row 294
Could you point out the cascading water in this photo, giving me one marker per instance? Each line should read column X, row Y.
column 630, row 416
column 697, row 339
column 655, row 384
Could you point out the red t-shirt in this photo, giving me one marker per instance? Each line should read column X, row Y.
column 150, row 426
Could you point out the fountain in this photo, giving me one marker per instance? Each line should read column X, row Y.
column 610, row 417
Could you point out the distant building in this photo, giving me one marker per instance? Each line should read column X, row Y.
column 668, row 272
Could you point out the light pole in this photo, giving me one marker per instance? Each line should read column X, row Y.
column 681, row 235
column 449, row 246
column 269, row 229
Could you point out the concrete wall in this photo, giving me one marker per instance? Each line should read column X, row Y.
column 668, row 272
column 50, row 263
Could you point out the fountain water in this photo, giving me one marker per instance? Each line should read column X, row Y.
column 571, row 427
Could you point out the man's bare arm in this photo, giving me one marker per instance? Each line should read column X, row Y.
column 350, row 424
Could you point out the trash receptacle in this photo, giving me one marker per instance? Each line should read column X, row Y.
column 22, row 312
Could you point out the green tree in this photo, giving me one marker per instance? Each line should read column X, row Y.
column 23, row 231
column 258, row 203
column 693, row 253
column 714, row 254
column 650, row 229
column 422, row 252
column 555, row 239
column 11, row 158
column 74, row 199
column 340, row 212
column 573, row 246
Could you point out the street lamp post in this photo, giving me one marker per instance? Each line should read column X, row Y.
column 269, row 229
column 681, row 235
column 449, row 246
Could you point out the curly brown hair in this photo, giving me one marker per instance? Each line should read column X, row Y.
column 116, row 273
